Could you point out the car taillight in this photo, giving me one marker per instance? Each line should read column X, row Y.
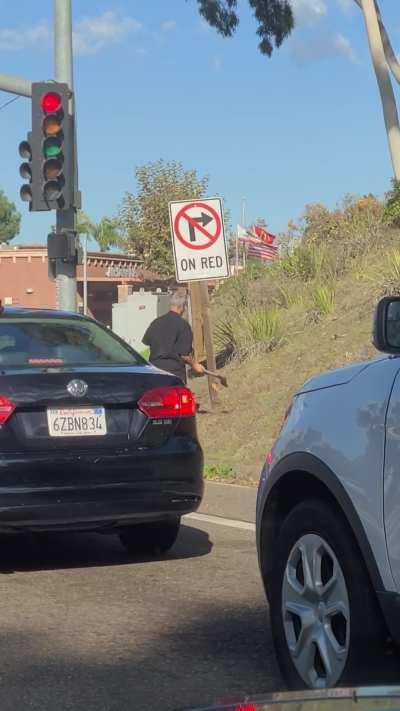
column 168, row 402
column 6, row 409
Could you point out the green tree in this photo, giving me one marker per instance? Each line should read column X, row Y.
column 144, row 217
column 391, row 214
column 274, row 17
column 10, row 219
column 106, row 232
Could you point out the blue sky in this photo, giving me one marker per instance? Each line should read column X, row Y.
column 153, row 81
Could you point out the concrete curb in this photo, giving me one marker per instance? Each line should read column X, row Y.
column 229, row 501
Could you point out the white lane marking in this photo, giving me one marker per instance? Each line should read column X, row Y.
column 220, row 521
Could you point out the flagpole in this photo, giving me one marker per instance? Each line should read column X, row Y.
column 237, row 250
column 244, row 226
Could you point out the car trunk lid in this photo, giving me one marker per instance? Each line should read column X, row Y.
column 117, row 390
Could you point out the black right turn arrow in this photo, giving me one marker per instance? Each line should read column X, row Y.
column 203, row 220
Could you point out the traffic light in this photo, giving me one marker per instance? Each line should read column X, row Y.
column 25, row 170
column 49, row 151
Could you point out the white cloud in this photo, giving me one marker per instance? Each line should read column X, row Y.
column 308, row 12
column 321, row 46
column 346, row 5
column 38, row 35
column 168, row 25
column 92, row 34
column 343, row 46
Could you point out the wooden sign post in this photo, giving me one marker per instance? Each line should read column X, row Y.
column 208, row 341
column 197, row 321
column 202, row 332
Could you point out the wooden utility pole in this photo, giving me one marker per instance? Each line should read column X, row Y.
column 197, row 321
column 208, row 340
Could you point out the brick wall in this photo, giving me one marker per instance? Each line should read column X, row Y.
column 24, row 278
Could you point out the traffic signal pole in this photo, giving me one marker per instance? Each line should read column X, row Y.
column 65, row 219
column 381, row 67
column 15, row 85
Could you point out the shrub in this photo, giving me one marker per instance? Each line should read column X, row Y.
column 324, row 300
column 394, row 264
column 391, row 213
column 250, row 332
column 219, row 471
column 302, row 262
column 391, row 285
column 290, row 295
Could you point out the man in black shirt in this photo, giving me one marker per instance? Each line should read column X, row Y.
column 171, row 340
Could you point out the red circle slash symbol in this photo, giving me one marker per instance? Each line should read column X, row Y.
column 198, row 223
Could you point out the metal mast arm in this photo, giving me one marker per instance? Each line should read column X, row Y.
column 15, row 85
column 384, row 83
column 390, row 54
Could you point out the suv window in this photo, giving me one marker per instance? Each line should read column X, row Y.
column 45, row 342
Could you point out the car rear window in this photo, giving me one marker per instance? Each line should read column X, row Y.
column 58, row 342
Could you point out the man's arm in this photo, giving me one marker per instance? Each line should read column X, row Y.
column 185, row 349
column 194, row 364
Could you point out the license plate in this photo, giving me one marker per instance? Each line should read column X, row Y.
column 77, row 422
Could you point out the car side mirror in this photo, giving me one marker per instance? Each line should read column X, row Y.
column 386, row 334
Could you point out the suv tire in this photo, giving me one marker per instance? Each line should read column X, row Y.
column 326, row 623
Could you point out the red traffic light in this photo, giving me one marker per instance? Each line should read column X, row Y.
column 51, row 102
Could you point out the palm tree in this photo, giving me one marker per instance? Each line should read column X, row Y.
column 106, row 232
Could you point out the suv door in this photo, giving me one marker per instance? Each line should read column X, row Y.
column 392, row 481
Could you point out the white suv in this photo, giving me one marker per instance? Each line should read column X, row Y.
column 328, row 519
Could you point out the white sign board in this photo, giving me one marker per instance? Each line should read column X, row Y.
column 197, row 228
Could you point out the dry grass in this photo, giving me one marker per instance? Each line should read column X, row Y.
column 242, row 429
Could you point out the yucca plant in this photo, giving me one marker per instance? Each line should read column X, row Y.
column 290, row 296
column 260, row 325
column 324, row 300
column 394, row 264
column 253, row 330
column 225, row 339
column 391, row 282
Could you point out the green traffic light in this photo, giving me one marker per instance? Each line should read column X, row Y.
column 52, row 151
column 52, row 147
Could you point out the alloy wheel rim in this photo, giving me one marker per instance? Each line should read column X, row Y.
column 316, row 612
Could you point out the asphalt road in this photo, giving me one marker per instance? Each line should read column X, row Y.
column 85, row 627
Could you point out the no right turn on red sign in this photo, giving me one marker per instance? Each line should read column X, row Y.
column 198, row 238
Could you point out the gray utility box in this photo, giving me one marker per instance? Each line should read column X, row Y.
column 131, row 318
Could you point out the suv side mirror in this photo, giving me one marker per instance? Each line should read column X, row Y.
column 386, row 334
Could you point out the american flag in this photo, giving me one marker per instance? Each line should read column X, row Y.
column 258, row 248
column 262, row 251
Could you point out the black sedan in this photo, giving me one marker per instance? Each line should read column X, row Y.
column 92, row 437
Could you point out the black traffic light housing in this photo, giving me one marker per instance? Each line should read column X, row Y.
column 64, row 247
column 25, row 169
column 49, row 151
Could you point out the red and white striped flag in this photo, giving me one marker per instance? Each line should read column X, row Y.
column 258, row 248
column 262, row 251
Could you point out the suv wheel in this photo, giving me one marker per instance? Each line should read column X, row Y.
column 150, row 538
column 324, row 615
